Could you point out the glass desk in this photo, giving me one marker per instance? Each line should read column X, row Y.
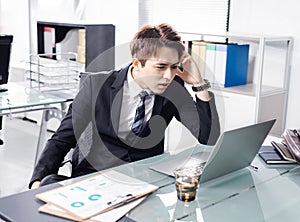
column 275, row 200
column 20, row 98
column 164, row 206
column 244, row 195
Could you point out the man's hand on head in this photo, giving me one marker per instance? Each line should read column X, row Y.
column 190, row 73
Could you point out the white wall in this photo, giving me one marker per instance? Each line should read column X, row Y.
column 15, row 21
column 273, row 17
column 122, row 14
column 247, row 16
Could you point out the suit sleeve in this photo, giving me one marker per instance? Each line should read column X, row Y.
column 200, row 117
column 65, row 138
column 209, row 121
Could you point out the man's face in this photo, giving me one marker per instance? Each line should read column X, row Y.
column 158, row 72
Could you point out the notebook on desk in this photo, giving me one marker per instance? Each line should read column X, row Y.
column 234, row 150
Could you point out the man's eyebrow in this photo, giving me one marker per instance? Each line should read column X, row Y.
column 166, row 63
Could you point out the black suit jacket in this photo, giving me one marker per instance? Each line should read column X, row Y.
column 92, row 122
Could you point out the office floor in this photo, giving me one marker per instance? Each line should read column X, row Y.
column 17, row 154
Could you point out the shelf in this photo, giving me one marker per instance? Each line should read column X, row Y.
column 250, row 89
column 262, row 98
column 98, row 45
column 189, row 36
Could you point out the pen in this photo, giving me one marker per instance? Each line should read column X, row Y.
column 128, row 195
column 124, row 202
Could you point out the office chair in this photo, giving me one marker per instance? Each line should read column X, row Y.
column 74, row 156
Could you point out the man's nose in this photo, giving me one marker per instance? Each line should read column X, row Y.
column 168, row 74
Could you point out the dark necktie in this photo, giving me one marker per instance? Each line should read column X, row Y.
column 139, row 114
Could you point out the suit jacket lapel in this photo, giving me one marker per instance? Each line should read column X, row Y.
column 116, row 96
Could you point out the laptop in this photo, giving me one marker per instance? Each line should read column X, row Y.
column 234, row 150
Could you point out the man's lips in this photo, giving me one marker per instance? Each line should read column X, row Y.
column 163, row 84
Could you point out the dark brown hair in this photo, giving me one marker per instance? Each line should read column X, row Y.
column 149, row 39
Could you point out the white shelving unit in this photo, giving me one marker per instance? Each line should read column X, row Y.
column 266, row 93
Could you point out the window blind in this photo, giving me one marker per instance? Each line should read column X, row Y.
column 192, row 16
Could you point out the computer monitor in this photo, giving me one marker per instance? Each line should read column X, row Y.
column 5, row 47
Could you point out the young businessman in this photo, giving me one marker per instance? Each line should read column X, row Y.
column 121, row 116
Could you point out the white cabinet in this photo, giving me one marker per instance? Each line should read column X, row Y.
column 237, row 107
column 234, row 110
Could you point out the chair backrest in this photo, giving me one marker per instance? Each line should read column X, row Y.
column 82, row 77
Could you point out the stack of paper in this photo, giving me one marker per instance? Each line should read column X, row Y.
column 85, row 199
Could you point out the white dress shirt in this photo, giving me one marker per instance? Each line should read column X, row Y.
column 130, row 101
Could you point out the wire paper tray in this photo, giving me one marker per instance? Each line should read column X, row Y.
column 47, row 73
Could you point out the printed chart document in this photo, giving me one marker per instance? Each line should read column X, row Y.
column 95, row 195
column 108, row 216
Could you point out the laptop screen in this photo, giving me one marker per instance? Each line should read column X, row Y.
column 234, row 150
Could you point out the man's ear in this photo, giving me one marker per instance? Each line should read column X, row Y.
column 136, row 64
